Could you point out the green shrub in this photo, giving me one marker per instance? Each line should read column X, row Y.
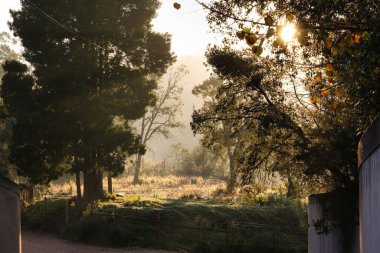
column 46, row 215
column 137, row 225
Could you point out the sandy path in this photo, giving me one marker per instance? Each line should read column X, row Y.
column 38, row 243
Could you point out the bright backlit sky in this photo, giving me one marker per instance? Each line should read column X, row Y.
column 5, row 5
column 188, row 25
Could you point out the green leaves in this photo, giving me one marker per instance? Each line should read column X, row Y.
column 85, row 83
column 257, row 50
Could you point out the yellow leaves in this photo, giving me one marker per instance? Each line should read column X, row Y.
column 338, row 91
column 251, row 39
column 344, row 43
column 329, row 70
column 334, row 51
column 289, row 17
column 246, row 32
column 357, row 38
column 325, row 92
column 314, row 100
column 330, row 67
column 177, row 6
column 269, row 20
column 329, row 42
column 334, row 104
column 318, row 77
column 328, row 75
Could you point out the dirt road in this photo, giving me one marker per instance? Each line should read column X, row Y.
column 37, row 243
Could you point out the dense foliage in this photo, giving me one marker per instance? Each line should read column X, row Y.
column 6, row 53
column 93, row 68
column 303, row 100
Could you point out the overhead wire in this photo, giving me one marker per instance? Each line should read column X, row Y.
column 49, row 17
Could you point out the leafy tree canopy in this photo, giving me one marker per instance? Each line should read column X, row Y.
column 94, row 64
column 334, row 53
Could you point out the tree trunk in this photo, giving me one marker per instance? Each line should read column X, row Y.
column 137, row 169
column 110, row 190
column 93, row 185
column 30, row 193
column 291, row 191
column 232, row 180
column 77, row 182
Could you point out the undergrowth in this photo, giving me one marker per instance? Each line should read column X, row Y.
column 265, row 225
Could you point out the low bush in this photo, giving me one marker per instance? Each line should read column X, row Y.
column 193, row 225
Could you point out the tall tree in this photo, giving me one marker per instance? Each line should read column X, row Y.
column 249, row 107
column 330, row 78
column 94, row 64
column 218, row 136
column 162, row 116
column 6, row 53
column 334, row 44
column 331, row 65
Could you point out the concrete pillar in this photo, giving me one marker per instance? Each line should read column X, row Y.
column 322, row 236
column 10, row 224
column 369, row 189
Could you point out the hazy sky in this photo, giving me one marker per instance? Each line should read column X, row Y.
column 190, row 39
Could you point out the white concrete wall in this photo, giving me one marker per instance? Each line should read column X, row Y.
column 369, row 190
column 321, row 242
column 10, row 225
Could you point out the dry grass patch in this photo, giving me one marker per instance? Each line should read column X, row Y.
column 167, row 187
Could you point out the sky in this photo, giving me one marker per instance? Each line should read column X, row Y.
column 5, row 5
column 190, row 38
column 187, row 25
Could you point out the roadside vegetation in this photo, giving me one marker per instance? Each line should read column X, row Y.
column 188, row 224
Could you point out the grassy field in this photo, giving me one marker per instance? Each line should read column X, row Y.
column 186, row 214
column 168, row 187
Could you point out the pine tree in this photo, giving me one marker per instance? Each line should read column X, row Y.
column 94, row 65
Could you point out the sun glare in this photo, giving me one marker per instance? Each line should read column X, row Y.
column 288, row 32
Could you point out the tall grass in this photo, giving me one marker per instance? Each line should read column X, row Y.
column 165, row 187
